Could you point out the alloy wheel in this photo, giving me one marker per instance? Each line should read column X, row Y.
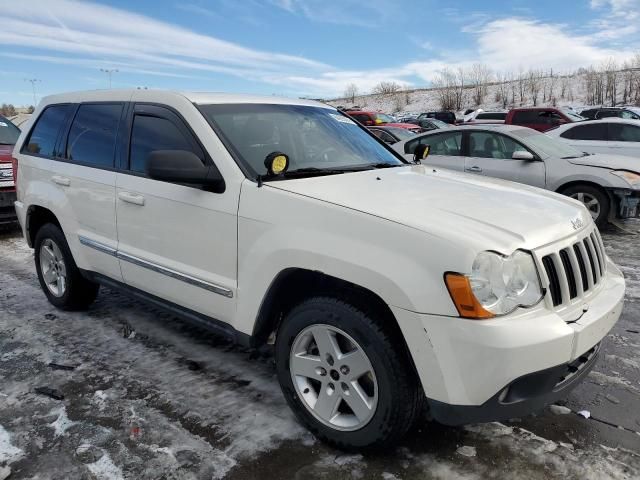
column 589, row 201
column 54, row 270
column 333, row 377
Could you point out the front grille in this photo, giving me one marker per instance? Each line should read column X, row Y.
column 576, row 269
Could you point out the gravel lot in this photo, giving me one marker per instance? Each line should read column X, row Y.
column 149, row 397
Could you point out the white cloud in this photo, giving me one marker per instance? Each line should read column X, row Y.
column 361, row 13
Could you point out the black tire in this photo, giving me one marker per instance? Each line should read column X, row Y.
column 598, row 194
column 79, row 292
column 400, row 395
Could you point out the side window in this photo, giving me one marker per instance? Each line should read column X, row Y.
column 523, row 117
column 43, row 136
column 154, row 133
column 492, row 145
column 448, row 144
column 624, row 133
column 596, row 131
column 362, row 118
column 92, row 138
column 608, row 113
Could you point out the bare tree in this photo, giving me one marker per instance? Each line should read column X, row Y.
column 350, row 92
column 385, row 88
column 479, row 77
column 446, row 85
column 534, row 83
column 522, row 85
column 8, row 110
column 502, row 89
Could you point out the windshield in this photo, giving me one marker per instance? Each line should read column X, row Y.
column 9, row 133
column 439, row 123
column 546, row 146
column 312, row 137
column 402, row 133
column 573, row 116
column 384, row 118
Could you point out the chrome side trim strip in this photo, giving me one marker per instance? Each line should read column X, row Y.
column 101, row 247
column 177, row 275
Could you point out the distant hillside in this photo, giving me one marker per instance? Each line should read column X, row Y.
column 577, row 90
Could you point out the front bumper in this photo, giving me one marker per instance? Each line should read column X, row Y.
column 467, row 365
column 7, row 210
column 523, row 396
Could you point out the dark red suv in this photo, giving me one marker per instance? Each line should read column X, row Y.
column 9, row 134
column 371, row 119
column 541, row 118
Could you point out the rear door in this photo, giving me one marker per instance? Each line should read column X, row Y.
column 490, row 154
column 177, row 242
column 85, row 177
column 624, row 139
column 445, row 150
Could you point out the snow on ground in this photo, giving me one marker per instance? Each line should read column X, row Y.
column 173, row 401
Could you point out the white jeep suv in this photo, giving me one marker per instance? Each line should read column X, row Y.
column 382, row 284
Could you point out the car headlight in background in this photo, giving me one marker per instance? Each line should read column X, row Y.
column 632, row 178
column 497, row 285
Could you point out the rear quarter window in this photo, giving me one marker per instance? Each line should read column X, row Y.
column 92, row 138
column 43, row 136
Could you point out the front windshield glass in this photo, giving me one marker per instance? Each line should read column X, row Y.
column 312, row 137
column 384, row 118
column 9, row 133
column 439, row 123
column 573, row 116
column 402, row 133
column 546, row 146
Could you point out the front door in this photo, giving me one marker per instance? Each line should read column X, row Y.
column 445, row 150
column 176, row 242
column 490, row 154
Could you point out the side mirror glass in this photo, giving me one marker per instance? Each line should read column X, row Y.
column 522, row 155
column 182, row 166
column 421, row 152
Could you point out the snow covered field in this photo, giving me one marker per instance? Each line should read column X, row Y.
column 148, row 397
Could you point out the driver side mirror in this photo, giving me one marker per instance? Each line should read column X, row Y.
column 522, row 155
column 421, row 152
column 182, row 166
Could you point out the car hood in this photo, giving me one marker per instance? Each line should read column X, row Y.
column 613, row 162
column 5, row 153
column 490, row 213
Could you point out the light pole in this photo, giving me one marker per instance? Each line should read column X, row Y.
column 33, row 82
column 109, row 72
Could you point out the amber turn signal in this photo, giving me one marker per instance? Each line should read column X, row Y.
column 465, row 301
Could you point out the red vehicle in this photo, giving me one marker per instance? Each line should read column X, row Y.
column 541, row 118
column 9, row 134
column 371, row 119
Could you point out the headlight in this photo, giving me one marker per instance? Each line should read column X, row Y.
column 497, row 285
column 633, row 179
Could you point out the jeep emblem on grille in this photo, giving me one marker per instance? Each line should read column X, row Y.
column 577, row 224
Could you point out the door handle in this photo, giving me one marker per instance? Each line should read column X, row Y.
column 64, row 181
column 131, row 198
column 475, row 168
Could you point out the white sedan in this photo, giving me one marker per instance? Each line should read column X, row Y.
column 610, row 135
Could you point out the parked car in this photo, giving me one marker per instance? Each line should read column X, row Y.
column 610, row 135
column 608, row 112
column 608, row 185
column 447, row 117
column 369, row 119
column 487, row 117
column 392, row 135
column 541, row 118
column 9, row 134
column 381, row 284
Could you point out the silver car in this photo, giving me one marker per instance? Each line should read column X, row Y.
column 608, row 185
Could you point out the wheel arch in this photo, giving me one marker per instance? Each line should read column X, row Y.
column 36, row 217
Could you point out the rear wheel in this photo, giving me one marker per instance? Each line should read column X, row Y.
column 59, row 276
column 345, row 375
column 596, row 201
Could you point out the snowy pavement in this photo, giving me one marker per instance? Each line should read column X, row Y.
column 149, row 397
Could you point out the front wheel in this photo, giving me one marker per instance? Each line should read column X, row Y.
column 345, row 375
column 596, row 201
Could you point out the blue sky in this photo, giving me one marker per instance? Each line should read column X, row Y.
column 297, row 47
